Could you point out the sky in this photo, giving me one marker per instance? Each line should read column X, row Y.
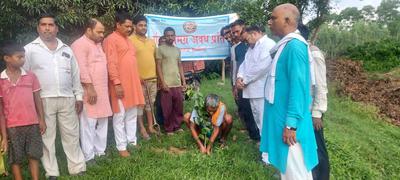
column 339, row 5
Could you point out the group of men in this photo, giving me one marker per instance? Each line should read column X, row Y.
column 97, row 77
column 279, row 88
column 281, row 93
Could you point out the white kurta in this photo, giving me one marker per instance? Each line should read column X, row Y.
column 254, row 67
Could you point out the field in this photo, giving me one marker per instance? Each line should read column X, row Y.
column 360, row 145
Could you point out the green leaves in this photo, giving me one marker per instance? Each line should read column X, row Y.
column 197, row 99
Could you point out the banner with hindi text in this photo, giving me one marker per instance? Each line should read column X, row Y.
column 198, row 38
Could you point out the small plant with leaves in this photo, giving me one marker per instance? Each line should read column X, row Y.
column 197, row 99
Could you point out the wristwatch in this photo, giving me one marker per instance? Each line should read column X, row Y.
column 291, row 128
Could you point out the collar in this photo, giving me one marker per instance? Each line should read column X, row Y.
column 4, row 75
column 39, row 41
column 88, row 40
column 140, row 37
column 261, row 40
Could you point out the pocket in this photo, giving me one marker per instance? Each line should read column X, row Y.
column 64, row 64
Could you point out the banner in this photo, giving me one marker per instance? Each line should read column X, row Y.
column 198, row 38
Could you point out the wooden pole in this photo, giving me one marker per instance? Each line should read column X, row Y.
column 223, row 71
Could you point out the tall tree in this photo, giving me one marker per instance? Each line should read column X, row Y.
column 319, row 9
column 368, row 13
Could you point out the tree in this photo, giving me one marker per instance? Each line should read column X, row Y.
column 71, row 14
column 368, row 13
column 388, row 11
column 318, row 8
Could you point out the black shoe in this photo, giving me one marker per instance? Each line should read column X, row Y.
column 52, row 178
column 82, row 173
column 91, row 162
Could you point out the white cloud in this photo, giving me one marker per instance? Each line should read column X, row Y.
column 339, row 5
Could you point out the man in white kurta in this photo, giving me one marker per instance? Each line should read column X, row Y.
column 251, row 75
column 94, row 78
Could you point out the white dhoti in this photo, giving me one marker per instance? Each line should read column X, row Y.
column 93, row 135
column 125, row 125
column 295, row 167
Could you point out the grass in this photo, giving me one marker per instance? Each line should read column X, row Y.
column 360, row 145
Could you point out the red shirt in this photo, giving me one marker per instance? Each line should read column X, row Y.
column 18, row 102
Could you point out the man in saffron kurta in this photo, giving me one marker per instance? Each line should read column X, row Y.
column 96, row 104
column 287, row 133
column 124, row 83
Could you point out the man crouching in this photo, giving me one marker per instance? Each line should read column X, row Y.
column 220, row 120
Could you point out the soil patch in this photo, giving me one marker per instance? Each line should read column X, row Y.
column 353, row 81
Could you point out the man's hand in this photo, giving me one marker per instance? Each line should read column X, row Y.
column 42, row 127
column 317, row 122
column 235, row 93
column 4, row 145
column 184, row 86
column 78, row 106
column 203, row 150
column 239, row 83
column 92, row 95
column 164, row 87
column 289, row 136
column 209, row 150
column 119, row 91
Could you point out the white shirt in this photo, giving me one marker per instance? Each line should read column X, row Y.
column 57, row 70
column 233, row 63
column 253, row 70
column 320, row 90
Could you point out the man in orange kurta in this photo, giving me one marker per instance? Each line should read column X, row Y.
column 124, row 83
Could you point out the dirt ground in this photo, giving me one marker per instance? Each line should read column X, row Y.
column 383, row 92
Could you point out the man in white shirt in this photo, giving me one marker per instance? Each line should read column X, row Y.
column 251, row 75
column 319, row 107
column 54, row 64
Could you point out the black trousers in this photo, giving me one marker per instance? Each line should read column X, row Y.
column 246, row 114
column 159, row 113
column 321, row 171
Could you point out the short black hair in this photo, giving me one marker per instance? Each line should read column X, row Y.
column 222, row 33
column 122, row 16
column 47, row 15
column 9, row 48
column 169, row 29
column 139, row 18
column 304, row 30
column 90, row 23
column 253, row 28
column 239, row 22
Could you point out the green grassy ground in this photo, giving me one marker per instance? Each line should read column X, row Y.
column 360, row 144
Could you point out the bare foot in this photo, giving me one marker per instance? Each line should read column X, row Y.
column 152, row 130
column 124, row 153
column 170, row 133
column 145, row 136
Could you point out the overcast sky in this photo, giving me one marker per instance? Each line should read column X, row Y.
column 339, row 5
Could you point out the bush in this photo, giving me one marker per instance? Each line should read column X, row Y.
column 379, row 56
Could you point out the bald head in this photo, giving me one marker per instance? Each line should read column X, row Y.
column 284, row 19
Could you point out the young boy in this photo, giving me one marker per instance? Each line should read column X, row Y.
column 220, row 120
column 23, row 111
